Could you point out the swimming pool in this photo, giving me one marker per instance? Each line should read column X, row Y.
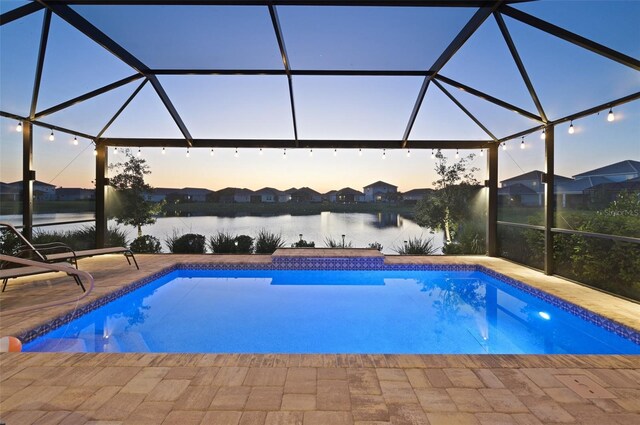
column 334, row 311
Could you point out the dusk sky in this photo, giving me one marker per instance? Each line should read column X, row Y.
column 567, row 78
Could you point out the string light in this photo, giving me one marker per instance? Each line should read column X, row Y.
column 433, row 155
column 75, row 141
column 95, row 151
column 310, row 152
column 284, row 154
column 610, row 116
column 236, row 154
column 335, row 152
column 188, row 154
column 115, row 150
column 164, row 151
column 522, row 143
column 457, row 154
column 139, row 152
column 211, row 152
column 504, row 146
column 384, row 154
column 52, row 137
column 571, row 129
column 543, row 135
column 260, row 151
column 408, row 153
column 359, row 152
column 481, row 152
column 19, row 127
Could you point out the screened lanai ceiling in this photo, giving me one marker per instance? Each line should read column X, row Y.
column 317, row 74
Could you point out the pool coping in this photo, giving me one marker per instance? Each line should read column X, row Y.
column 335, row 263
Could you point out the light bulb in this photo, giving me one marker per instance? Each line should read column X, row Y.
column 481, row 152
column 164, row 151
column 543, row 135
column 571, row 129
column 115, row 150
column 75, row 141
column 610, row 116
column 284, row 154
column 19, row 127
column 359, row 152
column 408, row 153
column 433, row 155
column 188, row 154
column 384, row 154
column 310, row 152
column 236, row 154
column 522, row 144
column 95, row 151
column 504, row 146
column 457, row 154
column 335, row 152
column 52, row 137
column 260, row 151
column 211, row 152
column 139, row 152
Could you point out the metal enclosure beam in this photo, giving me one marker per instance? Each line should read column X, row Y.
column 19, row 12
column 549, row 199
column 285, row 61
column 521, row 68
column 172, row 110
column 87, row 96
column 122, row 108
column 28, row 176
column 467, row 31
column 571, row 37
column 492, row 200
column 44, row 36
column 101, row 194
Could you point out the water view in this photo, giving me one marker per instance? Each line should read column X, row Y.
column 361, row 229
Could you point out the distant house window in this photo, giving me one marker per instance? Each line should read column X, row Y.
column 535, row 183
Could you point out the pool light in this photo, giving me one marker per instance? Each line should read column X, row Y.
column 544, row 315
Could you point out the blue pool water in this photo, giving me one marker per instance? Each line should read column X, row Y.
column 286, row 311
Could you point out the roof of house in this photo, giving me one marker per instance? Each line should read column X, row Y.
column 195, row 191
column 516, row 189
column 270, row 190
column 632, row 184
column 291, row 189
column 163, row 190
column 36, row 182
column 580, row 184
column 73, row 189
column 535, row 175
column 349, row 191
column 417, row 192
column 381, row 183
column 305, row 191
column 331, row 192
column 628, row 166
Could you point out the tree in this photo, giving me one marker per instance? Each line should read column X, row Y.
column 449, row 204
column 134, row 209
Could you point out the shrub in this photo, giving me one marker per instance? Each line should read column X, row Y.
column 303, row 244
column 146, row 244
column 243, row 244
column 222, row 243
column 267, row 242
column 9, row 242
column 189, row 243
column 80, row 239
column 417, row 246
column 329, row 242
column 376, row 245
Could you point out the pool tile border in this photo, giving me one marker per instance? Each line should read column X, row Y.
column 337, row 263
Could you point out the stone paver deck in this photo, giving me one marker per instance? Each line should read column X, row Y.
column 244, row 389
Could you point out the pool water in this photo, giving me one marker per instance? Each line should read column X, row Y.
column 289, row 311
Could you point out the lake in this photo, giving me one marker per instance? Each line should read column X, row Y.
column 388, row 229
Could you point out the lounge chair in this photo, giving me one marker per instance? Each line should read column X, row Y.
column 56, row 252
column 11, row 273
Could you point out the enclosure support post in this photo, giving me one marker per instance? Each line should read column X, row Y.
column 492, row 200
column 28, row 176
column 101, row 193
column 549, row 200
